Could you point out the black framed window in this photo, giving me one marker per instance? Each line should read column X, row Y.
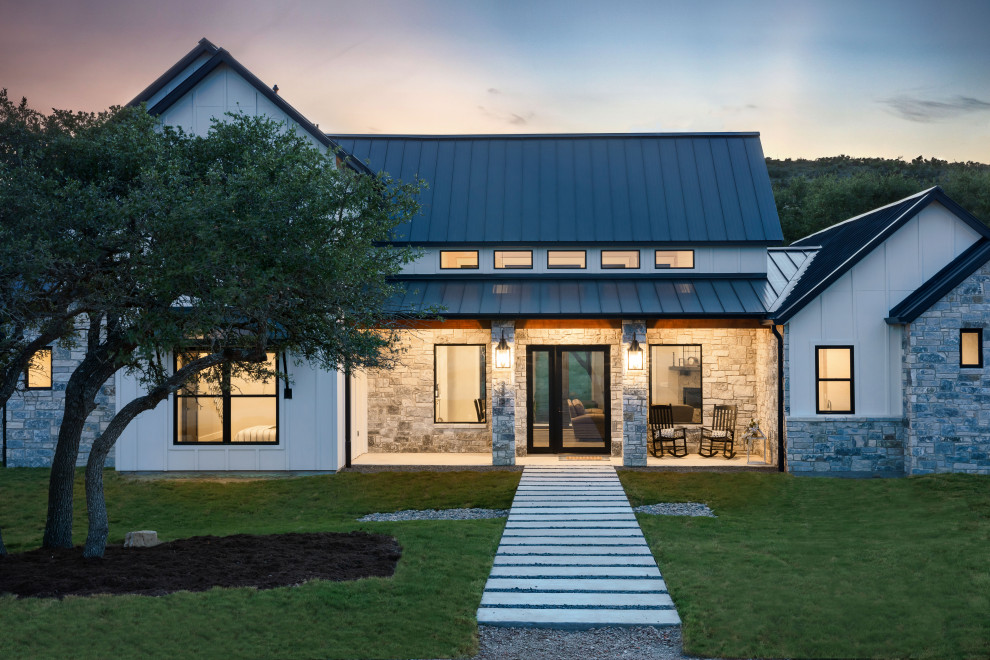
column 226, row 407
column 459, row 384
column 834, row 382
column 566, row 259
column 38, row 375
column 674, row 259
column 971, row 348
column 458, row 259
column 675, row 379
column 620, row 258
column 513, row 259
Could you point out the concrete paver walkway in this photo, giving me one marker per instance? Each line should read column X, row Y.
column 573, row 556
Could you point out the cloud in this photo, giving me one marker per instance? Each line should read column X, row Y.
column 493, row 90
column 925, row 110
column 513, row 118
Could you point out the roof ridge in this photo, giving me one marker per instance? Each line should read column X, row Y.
column 870, row 212
column 536, row 136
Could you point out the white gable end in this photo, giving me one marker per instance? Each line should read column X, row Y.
column 852, row 311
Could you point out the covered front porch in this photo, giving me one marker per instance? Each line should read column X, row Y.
column 536, row 391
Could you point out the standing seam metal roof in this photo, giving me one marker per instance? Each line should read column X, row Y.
column 678, row 189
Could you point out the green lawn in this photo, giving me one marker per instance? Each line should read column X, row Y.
column 814, row 567
column 427, row 610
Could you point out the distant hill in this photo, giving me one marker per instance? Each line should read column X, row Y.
column 813, row 194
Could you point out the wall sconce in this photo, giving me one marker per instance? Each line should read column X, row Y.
column 635, row 356
column 503, row 355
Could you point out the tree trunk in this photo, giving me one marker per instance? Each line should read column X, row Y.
column 96, row 504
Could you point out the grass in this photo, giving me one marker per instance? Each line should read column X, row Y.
column 426, row 610
column 816, row 568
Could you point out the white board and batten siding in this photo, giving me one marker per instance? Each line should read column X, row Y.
column 852, row 311
column 309, row 425
column 223, row 90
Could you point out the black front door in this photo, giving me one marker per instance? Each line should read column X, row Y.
column 567, row 399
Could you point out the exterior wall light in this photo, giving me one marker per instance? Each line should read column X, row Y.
column 635, row 356
column 503, row 355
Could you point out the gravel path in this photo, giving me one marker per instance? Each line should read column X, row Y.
column 645, row 643
column 676, row 509
column 435, row 514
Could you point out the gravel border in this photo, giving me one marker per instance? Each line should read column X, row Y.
column 633, row 643
column 436, row 514
column 693, row 509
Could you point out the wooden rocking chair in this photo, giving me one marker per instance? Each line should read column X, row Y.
column 662, row 430
column 721, row 435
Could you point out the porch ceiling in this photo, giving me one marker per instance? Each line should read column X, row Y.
column 585, row 297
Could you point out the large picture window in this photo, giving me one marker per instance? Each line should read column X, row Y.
column 834, row 379
column 38, row 375
column 675, row 379
column 459, row 384
column 237, row 409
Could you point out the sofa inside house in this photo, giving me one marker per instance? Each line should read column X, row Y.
column 587, row 423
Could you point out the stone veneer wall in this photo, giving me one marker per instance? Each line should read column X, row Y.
column 34, row 416
column 948, row 407
column 570, row 336
column 503, row 393
column 841, row 444
column 400, row 400
column 734, row 371
column 766, row 390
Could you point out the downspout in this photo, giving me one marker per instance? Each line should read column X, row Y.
column 781, row 467
column 347, row 417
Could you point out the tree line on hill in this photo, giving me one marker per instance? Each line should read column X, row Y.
column 814, row 194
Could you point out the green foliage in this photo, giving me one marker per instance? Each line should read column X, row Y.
column 800, row 567
column 426, row 610
column 812, row 195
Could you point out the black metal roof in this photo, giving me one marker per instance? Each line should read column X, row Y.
column 843, row 245
column 941, row 283
column 602, row 297
column 218, row 57
column 606, row 189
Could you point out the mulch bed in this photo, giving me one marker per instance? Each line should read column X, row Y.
column 200, row 563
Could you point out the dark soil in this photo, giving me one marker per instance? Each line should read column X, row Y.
column 200, row 563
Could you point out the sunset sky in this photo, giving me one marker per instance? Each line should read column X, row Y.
column 866, row 78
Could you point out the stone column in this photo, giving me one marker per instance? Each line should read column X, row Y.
column 503, row 397
column 635, row 390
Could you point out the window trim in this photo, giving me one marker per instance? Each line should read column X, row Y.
column 851, row 380
column 616, row 267
column 495, row 260
column 476, row 266
column 51, row 370
column 658, row 267
column 226, row 441
column 979, row 348
column 701, row 378
column 584, row 267
column 484, row 384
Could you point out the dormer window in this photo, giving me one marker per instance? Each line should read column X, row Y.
column 451, row 259
column 620, row 258
column 513, row 259
column 675, row 259
column 566, row 259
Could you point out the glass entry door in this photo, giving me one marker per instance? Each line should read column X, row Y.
column 567, row 399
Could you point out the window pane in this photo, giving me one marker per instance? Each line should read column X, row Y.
column 620, row 259
column 835, row 396
column 675, row 379
column 206, row 382
column 465, row 259
column 200, row 419
column 460, row 384
column 252, row 419
column 244, row 384
column 675, row 259
column 834, row 363
column 513, row 259
column 565, row 259
column 970, row 348
column 39, row 370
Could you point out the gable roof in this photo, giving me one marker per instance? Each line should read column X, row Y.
column 941, row 283
column 217, row 57
column 843, row 245
column 661, row 189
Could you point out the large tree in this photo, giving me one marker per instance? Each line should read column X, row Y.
column 233, row 245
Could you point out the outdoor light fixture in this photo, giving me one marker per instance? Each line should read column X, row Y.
column 635, row 356
column 503, row 359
